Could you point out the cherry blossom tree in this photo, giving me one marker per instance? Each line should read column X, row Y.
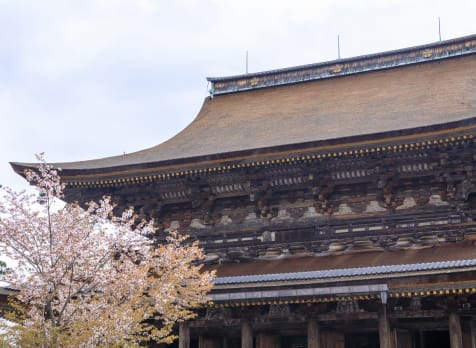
column 88, row 278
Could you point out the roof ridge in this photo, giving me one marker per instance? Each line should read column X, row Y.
column 344, row 66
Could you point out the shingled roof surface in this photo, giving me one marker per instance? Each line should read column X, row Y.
column 349, row 272
column 442, row 258
column 399, row 96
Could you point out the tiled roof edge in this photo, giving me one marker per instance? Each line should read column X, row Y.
column 341, row 67
column 346, row 272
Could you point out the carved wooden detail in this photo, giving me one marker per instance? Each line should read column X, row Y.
column 375, row 201
column 279, row 311
column 348, row 307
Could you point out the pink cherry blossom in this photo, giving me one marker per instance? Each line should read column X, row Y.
column 87, row 278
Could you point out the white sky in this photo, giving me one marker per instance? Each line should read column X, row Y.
column 94, row 78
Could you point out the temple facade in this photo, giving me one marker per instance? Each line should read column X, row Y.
column 336, row 201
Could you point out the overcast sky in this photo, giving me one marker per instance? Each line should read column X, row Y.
column 95, row 78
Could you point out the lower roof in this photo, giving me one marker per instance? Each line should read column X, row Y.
column 349, row 272
column 379, row 263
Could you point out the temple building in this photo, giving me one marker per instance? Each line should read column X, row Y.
column 336, row 201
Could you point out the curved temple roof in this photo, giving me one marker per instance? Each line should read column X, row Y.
column 404, row 89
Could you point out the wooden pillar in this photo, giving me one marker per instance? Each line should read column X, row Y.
column 384, row 328
column 456, row 336
column 184, row 335
column 246, row 335
column 313, row 334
